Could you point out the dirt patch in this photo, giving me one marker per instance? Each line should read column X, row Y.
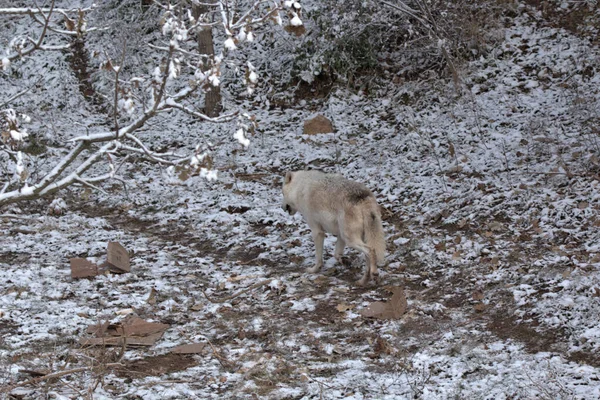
column 579, row 18
column 156, row 366
column 79, row 61
column 537, row 338
column 591, row 358
column 174, row 231
column 12, row 257
column 507, row 326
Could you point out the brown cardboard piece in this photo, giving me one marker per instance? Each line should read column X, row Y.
column 392, row 309
column 133, row 331
column 143, row 341
column 82, row 268
column 118, row 257
column 118, row 262
column 192, row 348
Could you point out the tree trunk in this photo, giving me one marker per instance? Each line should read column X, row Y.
column 212, row 99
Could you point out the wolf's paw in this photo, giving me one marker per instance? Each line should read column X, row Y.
column 314, row 269
column 362, row 282
column 345, row 261
column 376, row 278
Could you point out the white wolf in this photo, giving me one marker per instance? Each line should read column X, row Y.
column 347, row 209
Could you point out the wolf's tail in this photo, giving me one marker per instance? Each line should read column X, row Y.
column 375, row 236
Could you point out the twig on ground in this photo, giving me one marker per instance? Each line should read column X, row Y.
column 559, row 173
column 55, row 375
column 166, row 382
column 241, row 292
column 222, row 360
column 19, row 217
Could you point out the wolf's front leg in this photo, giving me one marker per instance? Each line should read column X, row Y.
column 339, row 249
column 319, row 238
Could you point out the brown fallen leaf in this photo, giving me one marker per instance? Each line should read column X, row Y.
column 382, row 346
column 321, row 280
column 139, row 341
column 478, row 295
column 151, row 297
column 392, row 309
column 441, row 246
column 343, row 307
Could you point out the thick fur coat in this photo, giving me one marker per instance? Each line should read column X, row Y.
column 346, row 209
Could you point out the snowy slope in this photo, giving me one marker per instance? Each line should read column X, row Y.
column 491, row 212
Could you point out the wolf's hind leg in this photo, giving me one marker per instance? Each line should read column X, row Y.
column 319, row 238
column 372, row 265
column 367, row 275
column 339, row 249
column 371, row 261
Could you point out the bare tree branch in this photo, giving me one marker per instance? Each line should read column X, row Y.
column 62, row 31
column 36, row 44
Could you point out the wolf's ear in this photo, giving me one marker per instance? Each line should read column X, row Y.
column 288, row 177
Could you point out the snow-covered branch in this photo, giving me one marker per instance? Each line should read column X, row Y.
column 135, row 100
column 50, row 183
column 158, row 157
column 187, row 110
column 34, row 11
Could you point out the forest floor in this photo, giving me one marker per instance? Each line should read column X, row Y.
column 490, row 204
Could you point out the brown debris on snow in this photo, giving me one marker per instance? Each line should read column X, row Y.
column 118, row 257
column 318, row 124
column 83, row 268
column 132, row 331
column 117, row 262
column 392, row 309
column 192, row 348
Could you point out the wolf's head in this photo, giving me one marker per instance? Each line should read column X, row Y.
column 288, row 202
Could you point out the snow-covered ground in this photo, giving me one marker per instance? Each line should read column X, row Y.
column 490, row 203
